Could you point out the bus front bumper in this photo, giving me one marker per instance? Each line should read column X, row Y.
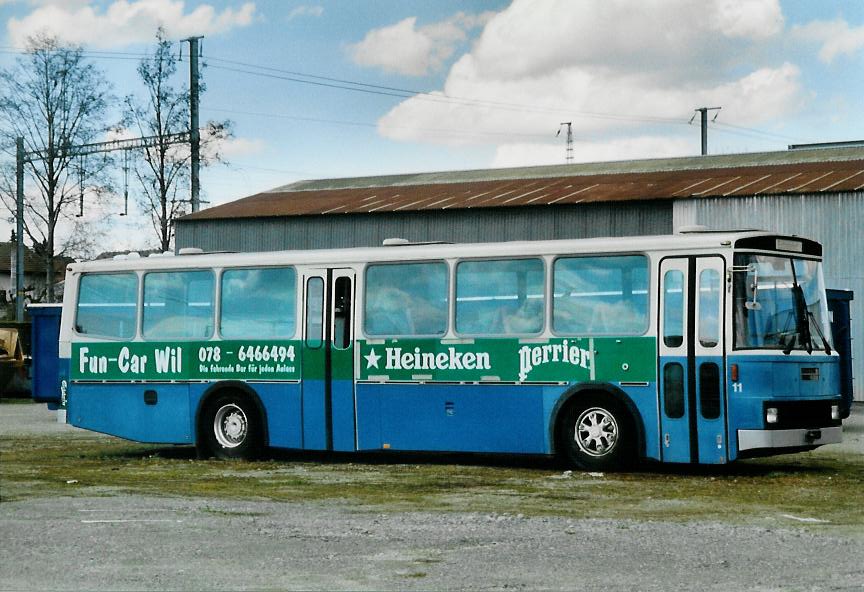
column 753, row 439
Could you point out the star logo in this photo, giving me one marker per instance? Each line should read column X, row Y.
column 372, row 359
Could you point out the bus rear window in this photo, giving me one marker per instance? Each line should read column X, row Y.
column 258, row 303
column 107, row 305
column 601, row 295
column 406, row 299
column 178, row 305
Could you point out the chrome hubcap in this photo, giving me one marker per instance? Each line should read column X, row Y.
column 596, row 431
column 230, row 426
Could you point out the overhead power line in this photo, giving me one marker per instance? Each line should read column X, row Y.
column 753, row 131
column 431, row 130
column 354, row 86
column 345, row 84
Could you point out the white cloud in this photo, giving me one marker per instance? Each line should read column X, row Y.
column 407, row 49
column 749, row 19
column 305, row 10
column 125, row 22
column 837, row 37
column 238, row 147
column 618, row 70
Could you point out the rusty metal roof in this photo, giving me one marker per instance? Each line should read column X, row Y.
column 793, row 172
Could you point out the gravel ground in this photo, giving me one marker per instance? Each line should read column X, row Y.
column 134, row 542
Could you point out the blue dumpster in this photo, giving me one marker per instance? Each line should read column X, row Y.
column 841, row 330
column 45, row 353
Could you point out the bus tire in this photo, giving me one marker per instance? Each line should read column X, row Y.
column 597, row 433
column 231, row 427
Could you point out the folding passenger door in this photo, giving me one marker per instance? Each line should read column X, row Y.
column 691, row 395
column 328, row 359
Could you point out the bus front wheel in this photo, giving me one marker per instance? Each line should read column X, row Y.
column 597, row 434
column 231, row 428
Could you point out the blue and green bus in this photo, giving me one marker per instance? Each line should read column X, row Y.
column 702, row 347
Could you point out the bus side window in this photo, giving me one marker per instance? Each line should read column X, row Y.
column 314, row 312
column 673, row 308
column 709, row 308
column 107, row 305
column 342, row 313
column 603, row 295
column 673, row 390
column 178, row 305
column 406, row 299
column 500, row 297
column 258, row 303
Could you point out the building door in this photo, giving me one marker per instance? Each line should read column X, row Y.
column 328, row 360
column 691, row 367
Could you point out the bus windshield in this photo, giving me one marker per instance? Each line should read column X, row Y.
column 780, row 304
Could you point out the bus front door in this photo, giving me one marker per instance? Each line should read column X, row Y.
column 328, row 360
column 691, row 366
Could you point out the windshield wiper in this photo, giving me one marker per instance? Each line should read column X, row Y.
column 812, row 318
column 802, row 318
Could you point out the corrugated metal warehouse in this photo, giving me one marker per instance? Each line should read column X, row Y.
column 817, row 193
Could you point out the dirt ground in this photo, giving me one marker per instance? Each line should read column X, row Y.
column 106, row 537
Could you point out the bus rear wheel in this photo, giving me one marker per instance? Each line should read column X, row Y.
column 231, row 428
column 597, row 434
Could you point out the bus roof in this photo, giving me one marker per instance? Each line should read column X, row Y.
column 687, row 241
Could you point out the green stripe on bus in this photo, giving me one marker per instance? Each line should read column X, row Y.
column 186, row 360
column 510, row 360
column 507, row 360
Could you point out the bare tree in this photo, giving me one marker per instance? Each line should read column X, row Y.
column 55, row 100
column 164, row 174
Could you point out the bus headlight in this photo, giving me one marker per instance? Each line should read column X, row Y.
column 772, row 415
column 835, row 411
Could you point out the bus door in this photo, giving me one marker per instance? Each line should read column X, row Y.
column 691, row 365
column 328, row 360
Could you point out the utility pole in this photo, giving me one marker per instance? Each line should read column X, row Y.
column 194, row 134
column 703, row 111
column 569, row 154
column 19, row 230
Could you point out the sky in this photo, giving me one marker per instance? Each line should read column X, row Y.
column 343, row 88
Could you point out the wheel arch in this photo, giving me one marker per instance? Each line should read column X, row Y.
column 221, row 387
column 572, row 396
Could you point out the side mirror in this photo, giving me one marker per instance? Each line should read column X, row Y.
column 750, row 304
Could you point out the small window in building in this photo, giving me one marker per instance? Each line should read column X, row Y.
column 107, row 305
column 406, row 299
column 605, row 295
column 178, row 305
column 258, row 303
column 500, row 297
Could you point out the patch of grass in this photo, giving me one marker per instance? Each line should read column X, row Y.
column 232, row 513
column 825, row 485
column 16, row 401
column 427, row 560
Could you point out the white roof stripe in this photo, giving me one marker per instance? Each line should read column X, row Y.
column 789, row 178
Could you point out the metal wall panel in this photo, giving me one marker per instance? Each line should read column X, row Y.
column 466, row 225
column 834, row 219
